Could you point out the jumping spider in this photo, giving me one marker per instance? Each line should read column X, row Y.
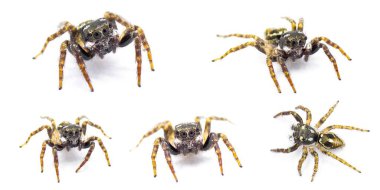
column 187, row 138
column 99, row 37
column 309, row 137
column 68, row 136
column 280, row 45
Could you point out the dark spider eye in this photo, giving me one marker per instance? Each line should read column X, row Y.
column 177, row 134
column 183, row 134
column 110, row 25
column 97, row 35
column 105, row 30
column 197, row 130
column 191, row 134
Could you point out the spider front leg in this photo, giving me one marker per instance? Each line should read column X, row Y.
column 234, row 49
column 286, row 150
column 47, row 127
column 65, row 28
column 146, row 46
column 332, row 155
column 207, row 130
column 293, row 113
column 165, row 147
column 42, row 155
column 303, row 158
column 240, row 36
column 308, row 113
column 316, row 161
column 82, row 68
column 56, row 163
column 168, row 132
column 90, row 123
column 285, row 70
column 138, row 60
column 88, row 155
column 272, row 74
column 329, row 128
column 334, row 45
column 89, row 143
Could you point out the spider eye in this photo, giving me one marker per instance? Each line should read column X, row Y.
column 191, row 134
column 197, row 130
column 105, row 30
column 183, row 134
column 97, row 35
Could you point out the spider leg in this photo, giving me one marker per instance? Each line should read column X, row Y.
column 78, row 119
column 272, row 74
column 286, row 150
column 323, row 119
column 138, row 60
column 56, row 163
column 329, row 128
column 332, row 155
column 52, row 121
column 207, row 130
column 300, row 25
column 219, row 154
column 62, row 61
column 303, row 158
column 100, row 142
column 146, row 46
column 292, row 22
column 316, row 160
column 273, row 35
column 92, row 146
column 293, row 113
column 331, row 58
column 87, row 122
column 66, row 27
column 240, row 36
column 230, row 147
column 43, row 149
column 168, row 132
column 286, row 72
column 82, row 68
column 234, row 49
column 166, row 150
column 117, row 18
column 334, row 45
column 308, row 113
column 47, row 127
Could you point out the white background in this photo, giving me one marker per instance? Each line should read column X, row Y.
column 186, row 83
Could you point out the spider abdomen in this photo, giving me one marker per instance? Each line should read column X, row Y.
column 330, row 141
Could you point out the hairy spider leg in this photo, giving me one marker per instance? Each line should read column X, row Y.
column 56, row 163
column 300, row 25
column 52, row 121
column 292, row 22
column 90, row 123
column 293, row 113
column 88, row 155
column 100, row 142
column 66, row 27
column 286, row 150
column 146, row 46
column 323, row 119
column 331, row 58
column 334, row 45
column 168, row 158
column 47, row 127
column 78, row 119
column 240, row 36
column 168, row 132
column 230, row 147
column 285, row 70
column 138, row 60
column 329, row 128
column 219, row 154
column 272, row 35
column 43, row 149
column 272, row 74
column 308, row 113
column 62, row 59
column 303, row 158
column 82, row 68
column 234, row 49
column 207, row 130
column 332, row 155
column 316, row 161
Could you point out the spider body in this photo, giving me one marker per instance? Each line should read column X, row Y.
column 68, row 135
column 309, row 138
column 99, row 37
column 281, row 45
column 187, row 138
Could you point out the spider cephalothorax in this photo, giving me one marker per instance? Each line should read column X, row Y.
column 280, row 45
column 68, row 135
column 187, row 138
column 99, row 37
column 309, row 138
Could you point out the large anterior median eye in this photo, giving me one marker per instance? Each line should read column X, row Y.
column 191, row 134
column 183, row 134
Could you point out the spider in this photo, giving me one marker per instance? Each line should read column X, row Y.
column 309, row 138
column 99, row 37
column 280, row 45
column 187, row 138
column 68, row 135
